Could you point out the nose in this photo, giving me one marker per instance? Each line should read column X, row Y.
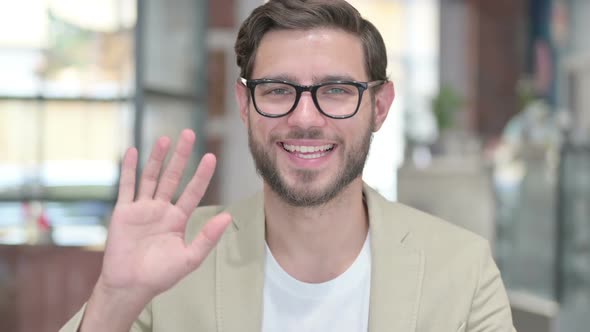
column 306, row 114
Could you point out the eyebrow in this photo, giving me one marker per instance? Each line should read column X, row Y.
column 315, row 79
column 320, row 79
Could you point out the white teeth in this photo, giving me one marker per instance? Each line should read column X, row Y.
column 307, row 149
column 311, row 156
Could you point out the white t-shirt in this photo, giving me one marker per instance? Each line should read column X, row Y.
column 341, row 304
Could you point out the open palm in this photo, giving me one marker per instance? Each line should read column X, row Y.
column 146, row 252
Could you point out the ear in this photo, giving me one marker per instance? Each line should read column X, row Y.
column 383, row 100
column 242, row 92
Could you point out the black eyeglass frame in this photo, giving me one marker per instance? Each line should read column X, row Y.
column 299, row 89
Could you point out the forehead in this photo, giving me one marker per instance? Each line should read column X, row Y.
column 310, row 56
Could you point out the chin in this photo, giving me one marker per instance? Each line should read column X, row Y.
column 307, row 194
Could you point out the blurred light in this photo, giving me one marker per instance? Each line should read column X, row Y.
column 79, row 235
column 13, row 235
column 79, row 172
column 97, row 15
column 23, row 24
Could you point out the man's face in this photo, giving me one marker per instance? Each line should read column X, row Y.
column 306, row 157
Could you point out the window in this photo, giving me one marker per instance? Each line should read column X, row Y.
column 65, row 114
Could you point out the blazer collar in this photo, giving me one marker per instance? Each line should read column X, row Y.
column 397, row 267
column 240, row 269
column 396, row 276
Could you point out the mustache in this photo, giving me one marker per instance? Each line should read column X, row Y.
column 298, row 133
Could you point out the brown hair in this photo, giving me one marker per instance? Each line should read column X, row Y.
column 309, row 14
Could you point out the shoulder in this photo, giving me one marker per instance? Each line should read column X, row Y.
column 456, row 266
column 434, row 237
column 431, row 231
column 446, row 248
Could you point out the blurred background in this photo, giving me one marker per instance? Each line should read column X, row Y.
column 490, row 130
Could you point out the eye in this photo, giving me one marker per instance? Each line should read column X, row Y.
column 335, row 91
column 340, row 89
column 278, row 91
column 274, row 89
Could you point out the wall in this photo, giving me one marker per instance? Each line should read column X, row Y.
column 236, row 175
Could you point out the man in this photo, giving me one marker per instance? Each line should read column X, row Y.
column 316, row 251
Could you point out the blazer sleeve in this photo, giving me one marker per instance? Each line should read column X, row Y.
column 490, row 308
column 143, row 323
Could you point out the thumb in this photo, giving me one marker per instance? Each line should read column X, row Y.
column 207, row 238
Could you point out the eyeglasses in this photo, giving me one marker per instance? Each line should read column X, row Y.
column 335, row 99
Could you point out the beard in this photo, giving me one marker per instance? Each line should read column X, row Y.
column 303, row 195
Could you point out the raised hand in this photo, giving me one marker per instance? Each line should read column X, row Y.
column 146, row 252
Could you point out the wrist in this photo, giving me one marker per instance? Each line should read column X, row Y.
column 112, row 309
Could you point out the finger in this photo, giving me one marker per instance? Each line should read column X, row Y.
column 151, row 172
column 207, row 238
column 173, row 173
column 194, row 191
column 127, row 180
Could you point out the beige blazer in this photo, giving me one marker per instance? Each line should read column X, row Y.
column 428, row 276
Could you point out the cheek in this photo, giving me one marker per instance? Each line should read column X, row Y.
column 365, row 117
column 353, row 132
column 261, row 127
column 351, row 128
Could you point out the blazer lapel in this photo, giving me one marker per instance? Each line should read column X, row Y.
column 397, row 268
column 396, row 276
column 240, row 269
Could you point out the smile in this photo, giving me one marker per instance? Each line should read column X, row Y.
column 307, row 151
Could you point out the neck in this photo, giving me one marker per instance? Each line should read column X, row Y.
column 317, row 244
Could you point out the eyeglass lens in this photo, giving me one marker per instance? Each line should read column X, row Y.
column 333, row 99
